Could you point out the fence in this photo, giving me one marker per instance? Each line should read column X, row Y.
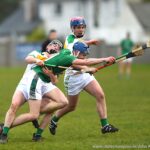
column 13, row 55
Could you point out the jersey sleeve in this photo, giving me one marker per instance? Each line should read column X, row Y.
column 37, row 55
column 64, row 58
column 70, row 59
column 67, row 57
column 34, row 54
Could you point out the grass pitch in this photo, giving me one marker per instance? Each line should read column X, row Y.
column 128, row 103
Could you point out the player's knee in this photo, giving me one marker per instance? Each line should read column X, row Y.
column 100, row 96
column 13, row 108
column 64, row 102
column 34, row 116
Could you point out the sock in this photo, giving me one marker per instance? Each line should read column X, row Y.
column 5, row 130
column 55, row 118
column 39, row 131
column 104, row 122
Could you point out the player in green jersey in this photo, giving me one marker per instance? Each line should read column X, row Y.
column 126, row 46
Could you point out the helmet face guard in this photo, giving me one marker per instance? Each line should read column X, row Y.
column 54, row 42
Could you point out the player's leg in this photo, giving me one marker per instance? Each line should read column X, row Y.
column 58, row 101
column 73, row 85
column 128, row 68
column 34, row 107
column 50, row 103
column 95, row 90
column 121, row 69
column 37, row 136
column 17, row 100
column 34, row 95
column 33, row 90
column 73, row 101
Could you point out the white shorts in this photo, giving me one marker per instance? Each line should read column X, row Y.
column 129, row 60
column 33, row 87
column 74, row 84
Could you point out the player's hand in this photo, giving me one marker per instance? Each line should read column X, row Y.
column 110, row 59
column 90, row 70
column 39, row 62
column 47, row 71
column 93, row 42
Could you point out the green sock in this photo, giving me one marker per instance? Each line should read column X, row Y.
column 39, row 131
column 55, row 118
column 5, row 130
column 104, row 122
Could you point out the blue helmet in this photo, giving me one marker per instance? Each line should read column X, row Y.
column 76, row 21
column 81, row 47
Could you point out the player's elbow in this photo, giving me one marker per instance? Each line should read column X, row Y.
column 27, row 59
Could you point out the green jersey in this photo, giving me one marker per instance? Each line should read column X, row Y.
column 63, row 58
column 126, row 45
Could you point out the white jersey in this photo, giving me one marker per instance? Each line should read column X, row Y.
column 75, row 83
column 70, row 40
column 29, row 67
column 31, row 85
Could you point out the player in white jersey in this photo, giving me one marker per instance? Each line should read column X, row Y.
column 32, row 88
column 76, row 83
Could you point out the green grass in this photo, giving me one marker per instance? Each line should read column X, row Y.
column 128, row 102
